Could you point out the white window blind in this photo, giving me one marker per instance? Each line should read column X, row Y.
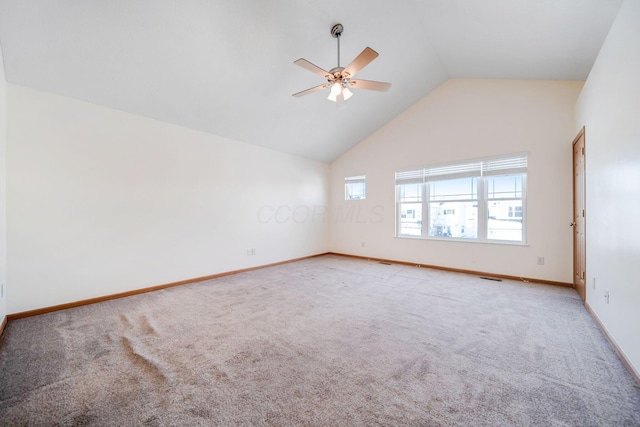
column 354, row 179
column 453, row 171
column 503, row 165
column 410, row 176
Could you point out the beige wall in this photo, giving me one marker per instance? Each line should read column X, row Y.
column 101, row 201
column 466, row 119
column 609, row 108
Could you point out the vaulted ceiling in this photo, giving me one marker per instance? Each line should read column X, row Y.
column 226, row 67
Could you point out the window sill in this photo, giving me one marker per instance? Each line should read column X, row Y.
column 453, row 239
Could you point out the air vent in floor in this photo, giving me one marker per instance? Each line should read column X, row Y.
column 491, row 278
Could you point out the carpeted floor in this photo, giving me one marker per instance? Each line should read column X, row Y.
column 323, row 342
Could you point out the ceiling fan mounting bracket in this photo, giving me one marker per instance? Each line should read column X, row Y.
column 336, row 30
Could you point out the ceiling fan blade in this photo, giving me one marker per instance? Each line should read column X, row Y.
column 311, row 67
column 370, row 85
column 313, row 89
column 361, row 61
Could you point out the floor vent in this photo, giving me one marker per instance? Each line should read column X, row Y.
column 491, row 278
column 385, row 263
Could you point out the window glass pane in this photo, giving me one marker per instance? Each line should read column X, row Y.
column 410, row 192
column 505, row 220
column 454, row 189
column 453, row 219
column 410, row 221
column 355, row 190
column 504, row 187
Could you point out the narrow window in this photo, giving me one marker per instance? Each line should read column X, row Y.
column 355, row 187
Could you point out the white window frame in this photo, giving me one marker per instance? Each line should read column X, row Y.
column 355, row 179
column 507, row 165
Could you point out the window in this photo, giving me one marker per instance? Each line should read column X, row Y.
column 453, row 207
column 355, row 187
column 479, row 200
column 505, row 207
column 410, row 209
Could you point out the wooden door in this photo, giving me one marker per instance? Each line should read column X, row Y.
column 579, row 215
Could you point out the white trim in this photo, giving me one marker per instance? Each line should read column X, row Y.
column 621, row 355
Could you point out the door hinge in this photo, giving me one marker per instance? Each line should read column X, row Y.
column 582, row 149
column 582, row 275
column 582, row 213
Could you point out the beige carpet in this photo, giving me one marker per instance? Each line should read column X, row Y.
column 323, row 342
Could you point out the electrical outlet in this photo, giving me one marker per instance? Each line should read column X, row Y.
column 362, row 244
column 540, row 260
column 606, row 296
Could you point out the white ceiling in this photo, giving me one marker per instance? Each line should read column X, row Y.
column 226, row 67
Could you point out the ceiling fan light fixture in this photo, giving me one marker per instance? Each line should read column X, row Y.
column 346, row 93
column 336, row 89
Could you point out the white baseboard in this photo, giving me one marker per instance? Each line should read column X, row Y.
column 623, row 357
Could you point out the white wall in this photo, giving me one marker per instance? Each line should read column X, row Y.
column 609, row 108
column 465, row 119
column 3, row 216
column 101, row 201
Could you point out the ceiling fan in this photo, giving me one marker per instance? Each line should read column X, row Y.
column 341, row 78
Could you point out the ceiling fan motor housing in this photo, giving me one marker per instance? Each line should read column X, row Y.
column 336, row 73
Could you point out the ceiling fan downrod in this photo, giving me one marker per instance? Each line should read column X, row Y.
column 336, row 32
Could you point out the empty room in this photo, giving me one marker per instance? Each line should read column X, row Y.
column 339, row 213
